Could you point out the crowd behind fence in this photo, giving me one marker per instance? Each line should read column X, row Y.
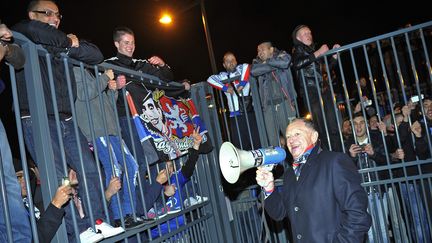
column 395, row 67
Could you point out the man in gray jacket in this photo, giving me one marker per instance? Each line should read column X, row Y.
column 276, row 88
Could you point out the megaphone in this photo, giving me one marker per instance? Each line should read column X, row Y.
column 234, row 161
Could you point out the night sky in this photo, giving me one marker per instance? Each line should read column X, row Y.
column 237, row 26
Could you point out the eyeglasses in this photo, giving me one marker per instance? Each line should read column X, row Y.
column 49, row 13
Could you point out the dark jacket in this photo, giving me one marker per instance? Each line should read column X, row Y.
column 274, row 78
column 363, row 160
column 326, row 204
column 163, row 73
column 49, row 223
column 304, row 59
column 55, row 42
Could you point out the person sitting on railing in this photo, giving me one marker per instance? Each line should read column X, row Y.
column 239, row 101
column 124, row 41
column 101, row 94
column 19, row 224
column 276, row 89
column 42, row 28
column 308, row 65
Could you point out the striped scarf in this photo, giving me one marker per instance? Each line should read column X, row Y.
column 301, row 160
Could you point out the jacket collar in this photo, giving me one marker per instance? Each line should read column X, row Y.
column 124, row 59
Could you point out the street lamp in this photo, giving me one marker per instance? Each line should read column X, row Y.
column 166, row 19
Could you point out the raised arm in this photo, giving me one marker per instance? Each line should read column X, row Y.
column 282, row 60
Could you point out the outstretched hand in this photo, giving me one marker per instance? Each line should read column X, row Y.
column 197, row 138
column 62, row 196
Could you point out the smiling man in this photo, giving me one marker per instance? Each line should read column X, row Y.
column 321, row 193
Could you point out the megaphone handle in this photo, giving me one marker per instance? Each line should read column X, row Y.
column 268, row 167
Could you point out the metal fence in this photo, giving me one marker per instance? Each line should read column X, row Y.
column 396, row 66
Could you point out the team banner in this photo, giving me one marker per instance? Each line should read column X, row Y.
column 167, row 121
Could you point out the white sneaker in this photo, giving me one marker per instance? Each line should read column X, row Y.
column 191, row 201
column 107, row 230
column 89, row 236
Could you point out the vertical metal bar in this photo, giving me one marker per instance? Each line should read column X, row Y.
column 40, row 130
column 208, row 37
column 335, row 108
column 22, row 150
column 3, row 193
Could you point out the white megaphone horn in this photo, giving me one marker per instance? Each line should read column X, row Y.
column 234, row 161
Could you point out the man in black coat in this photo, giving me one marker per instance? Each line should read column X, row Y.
column 308, row 66
column 325, row 202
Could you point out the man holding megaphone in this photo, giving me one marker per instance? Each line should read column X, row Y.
column 321, row 194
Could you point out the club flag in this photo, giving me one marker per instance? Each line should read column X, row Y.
column 168, row 122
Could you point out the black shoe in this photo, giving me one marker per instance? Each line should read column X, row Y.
column 145, row 221
column 129, row 222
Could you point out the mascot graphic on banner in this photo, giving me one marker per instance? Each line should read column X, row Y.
column 167, row 121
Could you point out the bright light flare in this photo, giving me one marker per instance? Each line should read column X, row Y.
column 165, row 19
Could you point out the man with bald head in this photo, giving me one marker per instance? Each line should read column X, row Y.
column 234, row 82
column 321, row 193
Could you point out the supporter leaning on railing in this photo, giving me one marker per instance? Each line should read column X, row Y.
column 19, row 224
column 42, row 28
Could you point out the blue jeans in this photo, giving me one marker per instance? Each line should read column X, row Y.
column 379, row 211
column 419, row 226
column 73, row 160
column 143, row 151
column 128, row 201
column 19, row 217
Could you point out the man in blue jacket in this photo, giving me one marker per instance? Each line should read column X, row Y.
column 321, row 193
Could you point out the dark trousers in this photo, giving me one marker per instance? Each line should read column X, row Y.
column 330, row 117
column 239, row 131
